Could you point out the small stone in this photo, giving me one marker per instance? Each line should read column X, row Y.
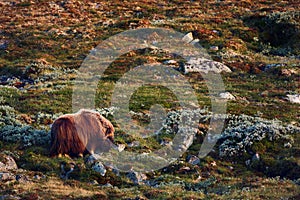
column 136, row 177
column 194, row 160
column 264, row 93
column 275, row 65
column 116, row 171
column 214, row 48
column 134, row 144
column 288, row 72
column 9, row 197
column 170, row 62
column 287, row 145
column 107, row 185
column 22, row 178
column 295, row 98
column 256, row 157
column 119, row 147
column 184, row 169
column 213, row 163
column 94, row 182
column 99, row 168
column 92, row 159
column 195, row 41
column 216, row 32
column 7, row 176
column 3, row 45
column 246, row 189
column 227, row 95
column 166, row 143
column 188, row 37
column 247, row 162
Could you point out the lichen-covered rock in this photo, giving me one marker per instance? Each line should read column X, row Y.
column 204, row 65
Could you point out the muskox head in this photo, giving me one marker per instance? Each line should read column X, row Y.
column 80, row 133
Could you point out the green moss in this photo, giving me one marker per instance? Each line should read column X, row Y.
column 33, row 160
column 258, row 147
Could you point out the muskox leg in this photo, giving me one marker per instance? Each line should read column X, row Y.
column 65, row 138
column 59, row 155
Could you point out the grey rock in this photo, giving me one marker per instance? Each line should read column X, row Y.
column 99, row 168
column 136, row 177
column 214, row 48
column 7, row 163
column 134, row 144
column 22, row 178
column 94, row 182
column 116, row 171
column 256, row 157
column 37, row 177
column 194, row 160
column 293, row 98
column 7, row 176
column 166, row 143
column 288, row 72
column 188, row 37
column 9, row 197
column 119, row 147
column 93, row 159
column 204, row 65
column 288, row 145
column 3, row 45
column 275, row 65
column 195, row 41
column 107, row 185
column 170, row 62
column 227, row 96
column 247, row 162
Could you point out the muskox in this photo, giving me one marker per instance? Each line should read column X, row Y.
column 83, row 132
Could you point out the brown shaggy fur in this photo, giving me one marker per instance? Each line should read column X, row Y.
column 80, row 133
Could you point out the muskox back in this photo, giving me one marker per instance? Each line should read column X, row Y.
column 80, row 133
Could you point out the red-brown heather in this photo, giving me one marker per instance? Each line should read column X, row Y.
column 83, row 132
